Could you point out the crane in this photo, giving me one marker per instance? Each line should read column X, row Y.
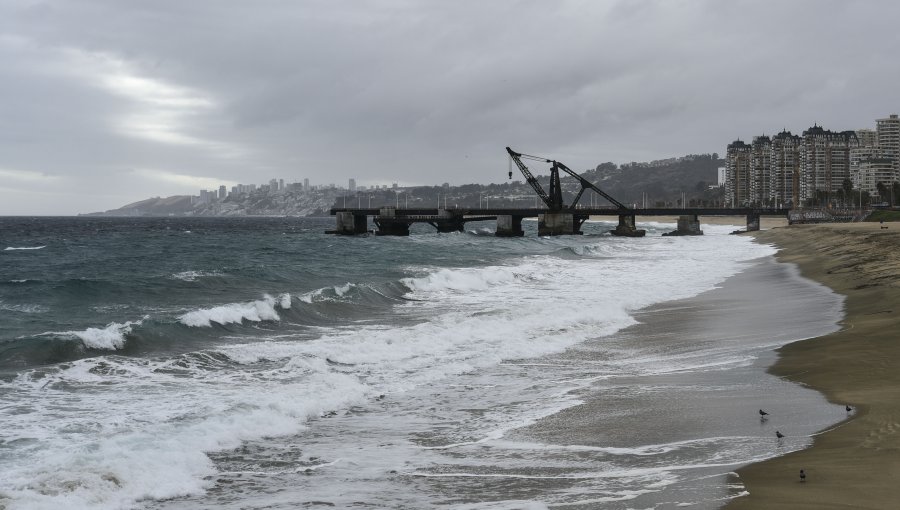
column 553, row 199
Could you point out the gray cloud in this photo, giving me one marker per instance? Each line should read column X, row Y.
column 106, row 102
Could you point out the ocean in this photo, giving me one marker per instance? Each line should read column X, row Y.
column 183, row 363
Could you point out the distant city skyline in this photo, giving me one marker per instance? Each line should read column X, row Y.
column 106, row 102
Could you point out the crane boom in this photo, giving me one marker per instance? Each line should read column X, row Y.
column 554, row 200
column 585, row 184
column 517, row 157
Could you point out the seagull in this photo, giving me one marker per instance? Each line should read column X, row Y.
column 779, row 435
column 762, row 414
column 802, row 476
column 848, row 408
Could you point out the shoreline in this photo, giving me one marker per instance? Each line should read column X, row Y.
column 695, row 401
column 855, row 463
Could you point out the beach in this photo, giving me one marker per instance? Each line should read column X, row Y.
column 854, row 464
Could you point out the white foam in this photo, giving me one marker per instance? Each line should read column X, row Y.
column 462, row 280
column 191, row 276
column 111, row 337
column 326, row 293
column 255, row 311
column 96, row 449
column 11, row 248
column 23, row 308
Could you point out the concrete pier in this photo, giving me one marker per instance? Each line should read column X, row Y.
column 446, row 222
column 350, row 224
column 559, row 224
column 688, row 225
column 752, row 222
column 389, row 224
column 509, row 226
column 626, row 227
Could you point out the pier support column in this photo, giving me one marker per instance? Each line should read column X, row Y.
column 445, row 226
column 626, row 227
column 752, row 222
column 389, row 224
column 509, row 226
column 350, row 224
column 688, row 225
column 558, row 224
column 391, row 227
column 449, row 221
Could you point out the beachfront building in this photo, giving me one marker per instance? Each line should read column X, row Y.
column 888, row 134
column 867, row 137
column 814, row 168
column 760, row 169
column 737, row 174
column 873, row 171
column 824, row 163
column 785, row 172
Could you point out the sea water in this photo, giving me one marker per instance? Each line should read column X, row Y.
column 260, row 363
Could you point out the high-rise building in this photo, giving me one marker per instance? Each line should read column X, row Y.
column 784, row 184
column 867, row 137
column 223, row 192
column 273, row 184
column 824, row 162
column 888, row 134
column 760, row 169
column 873, row 171
column 306, row 184
column 281, row 184
column 352, row 185
column 737, row 173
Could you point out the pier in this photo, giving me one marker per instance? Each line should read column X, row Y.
column 555, row 218
column 397, row 221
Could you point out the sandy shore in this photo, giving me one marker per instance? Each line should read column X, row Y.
column 740, row 221
column 857, row 463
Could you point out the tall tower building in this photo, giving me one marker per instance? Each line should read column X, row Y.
column 352, row 185
column 737, row 173
column 785, row 171
column 888, row 134
column 305, row 184
column 824, row 162
column 760, row 169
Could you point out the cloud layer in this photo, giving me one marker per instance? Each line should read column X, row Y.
column 106, row 102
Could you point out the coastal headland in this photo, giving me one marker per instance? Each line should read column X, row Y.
column 855, row 464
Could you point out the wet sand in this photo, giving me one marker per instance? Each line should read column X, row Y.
column 708, row 382
column 857, row 463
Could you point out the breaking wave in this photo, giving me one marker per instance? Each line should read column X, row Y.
column 11, row 248
column 235, row 313
column 112, row 337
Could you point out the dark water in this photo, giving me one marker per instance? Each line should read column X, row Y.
column 258, row 362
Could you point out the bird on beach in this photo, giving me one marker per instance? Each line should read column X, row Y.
column 779, row 435
column 763, row 414
column 802, row 476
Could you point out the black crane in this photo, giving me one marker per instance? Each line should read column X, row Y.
column 554, row 200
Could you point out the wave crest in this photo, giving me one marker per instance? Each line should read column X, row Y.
column 110, row 338
column 236, row 313
column 11, row 248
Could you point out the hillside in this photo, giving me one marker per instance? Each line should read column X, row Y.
column 662, row 182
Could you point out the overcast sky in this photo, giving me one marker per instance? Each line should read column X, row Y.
column 105, row 102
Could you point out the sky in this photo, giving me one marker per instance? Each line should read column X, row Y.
column 105, row 102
